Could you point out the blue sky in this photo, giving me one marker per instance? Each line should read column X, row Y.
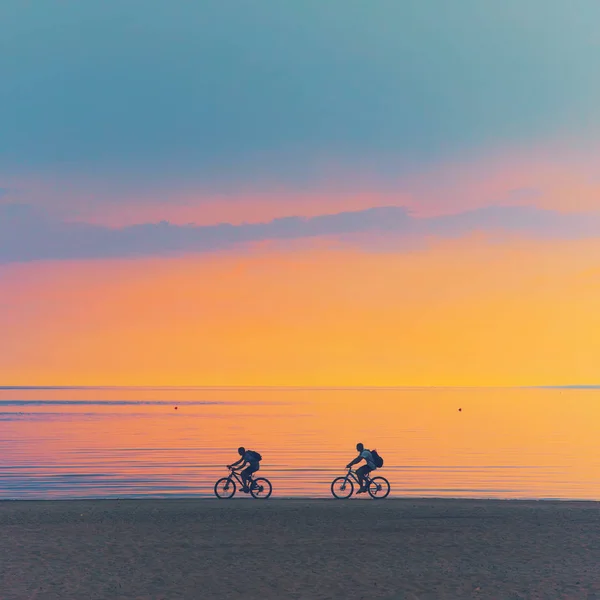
column 225, row 94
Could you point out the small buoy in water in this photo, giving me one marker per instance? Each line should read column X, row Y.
column 175, row 408
column 460, row 410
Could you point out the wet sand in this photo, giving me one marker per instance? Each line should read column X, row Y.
column 300, row 549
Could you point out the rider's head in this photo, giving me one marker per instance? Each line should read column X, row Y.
column 241, row 451
column 360, row 447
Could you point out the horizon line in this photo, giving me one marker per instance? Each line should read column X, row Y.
column 292, row 387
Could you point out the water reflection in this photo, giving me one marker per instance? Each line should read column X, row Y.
column 109, row 442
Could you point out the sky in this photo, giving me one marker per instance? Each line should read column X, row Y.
column 311, row 193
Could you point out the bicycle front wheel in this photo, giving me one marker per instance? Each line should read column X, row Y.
column 379, row 488
column 225, row 488
column 261, row 488
column 342, row 488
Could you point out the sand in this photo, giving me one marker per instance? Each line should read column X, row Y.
column 301, row 549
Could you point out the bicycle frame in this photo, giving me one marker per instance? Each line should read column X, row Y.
column 351, row 474
column 234, row 474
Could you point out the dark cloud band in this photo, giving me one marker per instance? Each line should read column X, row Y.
column 28, row 235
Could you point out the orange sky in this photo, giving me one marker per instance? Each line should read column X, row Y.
column 463, row 312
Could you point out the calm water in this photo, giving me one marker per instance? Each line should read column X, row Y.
column 517, row 443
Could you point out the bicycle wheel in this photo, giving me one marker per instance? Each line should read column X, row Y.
column 225, row 488
column 261, row 488
column 342, row 488
column 379, row 488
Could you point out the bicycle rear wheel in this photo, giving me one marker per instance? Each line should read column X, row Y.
column 342, row 488
column 379, row 488
column 225, row 488
column 261, row 488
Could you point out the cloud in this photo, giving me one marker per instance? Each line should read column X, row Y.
column 523, row 194
column 27, row 234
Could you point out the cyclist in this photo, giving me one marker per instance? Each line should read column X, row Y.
column 250, row 458
column 363, row 454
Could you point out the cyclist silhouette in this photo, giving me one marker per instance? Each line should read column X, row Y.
column 250, row 458
column 369, row 466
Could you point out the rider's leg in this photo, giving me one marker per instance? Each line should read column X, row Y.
column 253, row 469
column 247, row 476
column 364, row 470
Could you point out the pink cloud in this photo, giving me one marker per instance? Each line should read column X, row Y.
column 553, row 176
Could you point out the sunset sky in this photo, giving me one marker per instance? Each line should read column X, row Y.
column 316, row 193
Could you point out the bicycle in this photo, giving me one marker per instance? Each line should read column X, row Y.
column 226, row 487
column 343, row 487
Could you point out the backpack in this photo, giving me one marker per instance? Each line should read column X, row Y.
column 256, row 455
column 377, row 459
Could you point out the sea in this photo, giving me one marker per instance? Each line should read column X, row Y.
column 111, row 442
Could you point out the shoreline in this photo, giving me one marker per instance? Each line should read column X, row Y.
column 309, row 499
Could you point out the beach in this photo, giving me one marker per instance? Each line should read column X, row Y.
column 299, row 549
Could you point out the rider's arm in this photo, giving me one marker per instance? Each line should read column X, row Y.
column 354, row 462
column 237, row 462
